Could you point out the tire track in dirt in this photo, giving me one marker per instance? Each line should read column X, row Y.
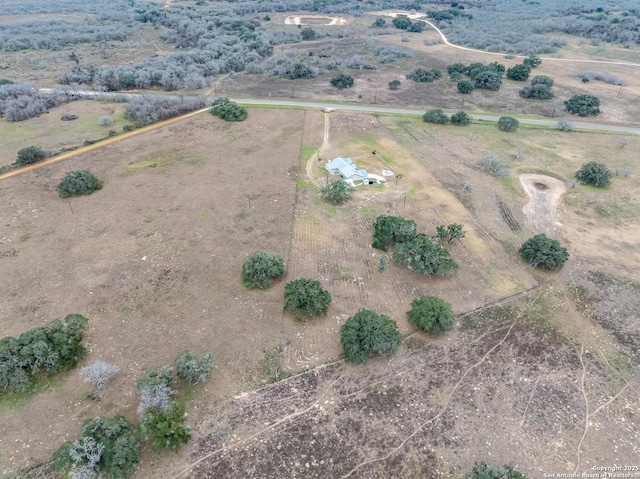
column 444, row 407
column 316, row 155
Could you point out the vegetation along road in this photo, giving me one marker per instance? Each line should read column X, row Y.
column 407, row 111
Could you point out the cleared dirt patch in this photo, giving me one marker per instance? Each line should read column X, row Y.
column 314, row 20
column 544, row 194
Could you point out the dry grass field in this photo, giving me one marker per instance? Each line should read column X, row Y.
column 50, row 133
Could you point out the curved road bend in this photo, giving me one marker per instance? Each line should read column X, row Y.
column 475, row 50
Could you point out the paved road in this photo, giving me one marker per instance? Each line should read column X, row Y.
column 578, row 125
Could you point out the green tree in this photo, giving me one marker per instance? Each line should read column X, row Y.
column 394, row 84
column 508, row 123
column 30, row 154
column 436, row 116
column 338, row 192
column 420, row 254
column 401, row 22
column 594, row 174
column 446, row 234
column 541, row 251
column 42, row 351
column 306, row 297
column 465, row 87
column 460, row 119
column 343, row 80
column 542, row 80
column 532, row 61
column 416, row 27
column 166, row 429
column 193, row 369
column 456, row 69
column 496, row 67
column 432, row 315
column 379, row 23
column 76, row 183
column 367, row 334
column 261, row 269
column 299, row 70
column 519, row 72
column 308, row 34
column 157, row 377
column 108, row 445
column 228, row 110
column 583, row 105
column 487, row 80
column 391, row 230
column 537, row 91
column 481, row 470
column 422, row 75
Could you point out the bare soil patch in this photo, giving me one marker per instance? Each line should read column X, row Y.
column 544, row 194
column 153, row 260
column 501, row 389
column 314, row 20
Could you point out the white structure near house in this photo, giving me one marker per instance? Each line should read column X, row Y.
column 346, row 168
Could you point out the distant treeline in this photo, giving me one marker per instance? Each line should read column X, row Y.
column 527, row 27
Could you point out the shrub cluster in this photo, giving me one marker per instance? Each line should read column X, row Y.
column 418, row 251
column 343, row 80
column 338, row 192
column 261, row 269
column 367, row 334
column 583, row 105
column 436, row 116
column 148, row 109
column 594, row 174
column 306, row 298
column 228, row 110
column 541, row 251
column 491, row 164
column 423, row 75
column 432, row 315
column 41, row 351
column 19, row 101
column 76, row 183
column 508, row 123
column 107, row 445
column 112, row 445
column 481, row 75
column 30, row 154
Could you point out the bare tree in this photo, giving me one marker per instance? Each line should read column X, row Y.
column 98, row 373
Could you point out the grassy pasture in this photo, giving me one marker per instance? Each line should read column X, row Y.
column 51, row 134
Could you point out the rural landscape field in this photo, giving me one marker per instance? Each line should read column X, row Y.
column 536, row 377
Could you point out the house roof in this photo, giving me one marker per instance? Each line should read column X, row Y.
column 338, row 163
